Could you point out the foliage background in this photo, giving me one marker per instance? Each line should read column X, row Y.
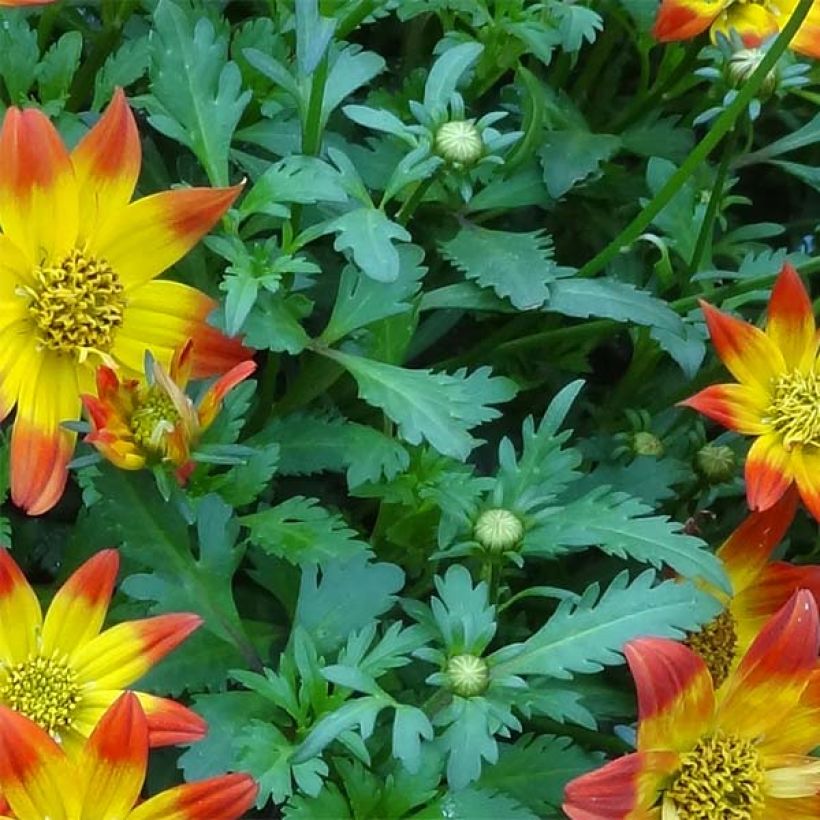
column 435, row 339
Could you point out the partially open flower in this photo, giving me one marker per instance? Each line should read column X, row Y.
column 38, row 780
column 135, row 423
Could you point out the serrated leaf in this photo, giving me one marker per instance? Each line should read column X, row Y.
column 437, row 407
column 274, row 322
column 300, row 531
column 243, row 483
column 473, row 803
column 19, row 55
column 447, row 71
column 350, row 69
column 313, row 35
column 122, row 67
column 515, row 265
column 570, row 157
column 410, row 727
column 586, row 636
column 197, row 97
column 368, row 234
column 328, row 803
column 58, row 66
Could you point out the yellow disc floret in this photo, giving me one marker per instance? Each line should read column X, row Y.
column 794, row 411
column 45, row 690
column 154, row 417
column 721, row 777
column 716, row 643
column 77, row 304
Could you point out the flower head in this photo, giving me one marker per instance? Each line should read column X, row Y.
column 740, row 752
column 63, row 672
column 38, row 779
column 777, row 399
column 134, row 423
column 753, row 20
column 77, row 260
column 760, row 587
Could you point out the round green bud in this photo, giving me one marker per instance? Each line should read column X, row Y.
column 742, row 65
column 647, row 444
column 459, row 142
column 498, row 530
column 716, row 463
column 468, row 675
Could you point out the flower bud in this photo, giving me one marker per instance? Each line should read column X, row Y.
column 742, row 65
column 498, row 530
column 647, row 444
column 468, row 675
column 459, row 142
column 716, row 463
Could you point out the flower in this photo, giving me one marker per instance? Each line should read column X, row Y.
column 77, row 260
column 134, row 423
column 754, row 21
column 38, row 779
column 759, row 587
column 62, row 672
column 778, row 396
column 14, row 3
column 459, row 142
column 741, row 752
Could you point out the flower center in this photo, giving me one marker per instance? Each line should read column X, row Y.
column 77, row 305
column 45, row 690
column 795, row 409
column 720, row 777
column 154, row 417
column 716, row 643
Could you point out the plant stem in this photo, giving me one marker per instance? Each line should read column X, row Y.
column 721, row 125
column 312, row 132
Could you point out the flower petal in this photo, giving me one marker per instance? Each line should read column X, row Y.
column 37, row 182
column 792, row 776
column 211, row 402
column 77, row 612
column 20, row 613
column 106, row 165
column 227, row 797
column 676, row 699
column 791, row 323
column 771, row 590
column 40, row 447
column 747, row 351
column 736, row 406
column 153, row 233
column 36, row 778
column 766, row 687
column 806, row 467
column 803, row 808
column 624, row 788
column 170, row 723
column 18, row 360
column 120, row 655
column 768, row 472
column 753, row 23
column 684, row 19
column 114, row 760
column 745, row 552
column 162, row 316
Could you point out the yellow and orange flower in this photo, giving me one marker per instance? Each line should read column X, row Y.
column 134, row 423
column 759, row 587
column 778, row 395
column 77, row 264
column 38, row 779
column 742, row 751
column 63, row 672
column 14, row 3
column 753, row 20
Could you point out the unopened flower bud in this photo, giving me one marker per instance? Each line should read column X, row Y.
column 468, row 675
column 498, row 530
column 742, row 65
column 647, row 444
column 459, row 142
column 716, row 463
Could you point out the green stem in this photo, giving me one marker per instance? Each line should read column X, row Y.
column 708, row 224
column 414, row 200
column 355, row 17
column 312, row 133
column 721, row 125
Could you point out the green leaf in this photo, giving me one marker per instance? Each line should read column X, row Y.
column 474, row 803
column 534, row 771
column 58, row 66
column 19, row 55
column 578, row 24
column 410, row 727
column 122, row 67
column 350, row 69
column 570, row 157
column 368, row 234
column 300, row 531
column 196, row 92
column 446, row 73
column 311, row 444
column 313, row 35
column 362, row 300
column 436, row 407
column 378, row 119
column 331, row 604
column 329, row 803
column 514, row 265
column 274, row 322
column 621, row 525
column 243, row 483
column 586, row 636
